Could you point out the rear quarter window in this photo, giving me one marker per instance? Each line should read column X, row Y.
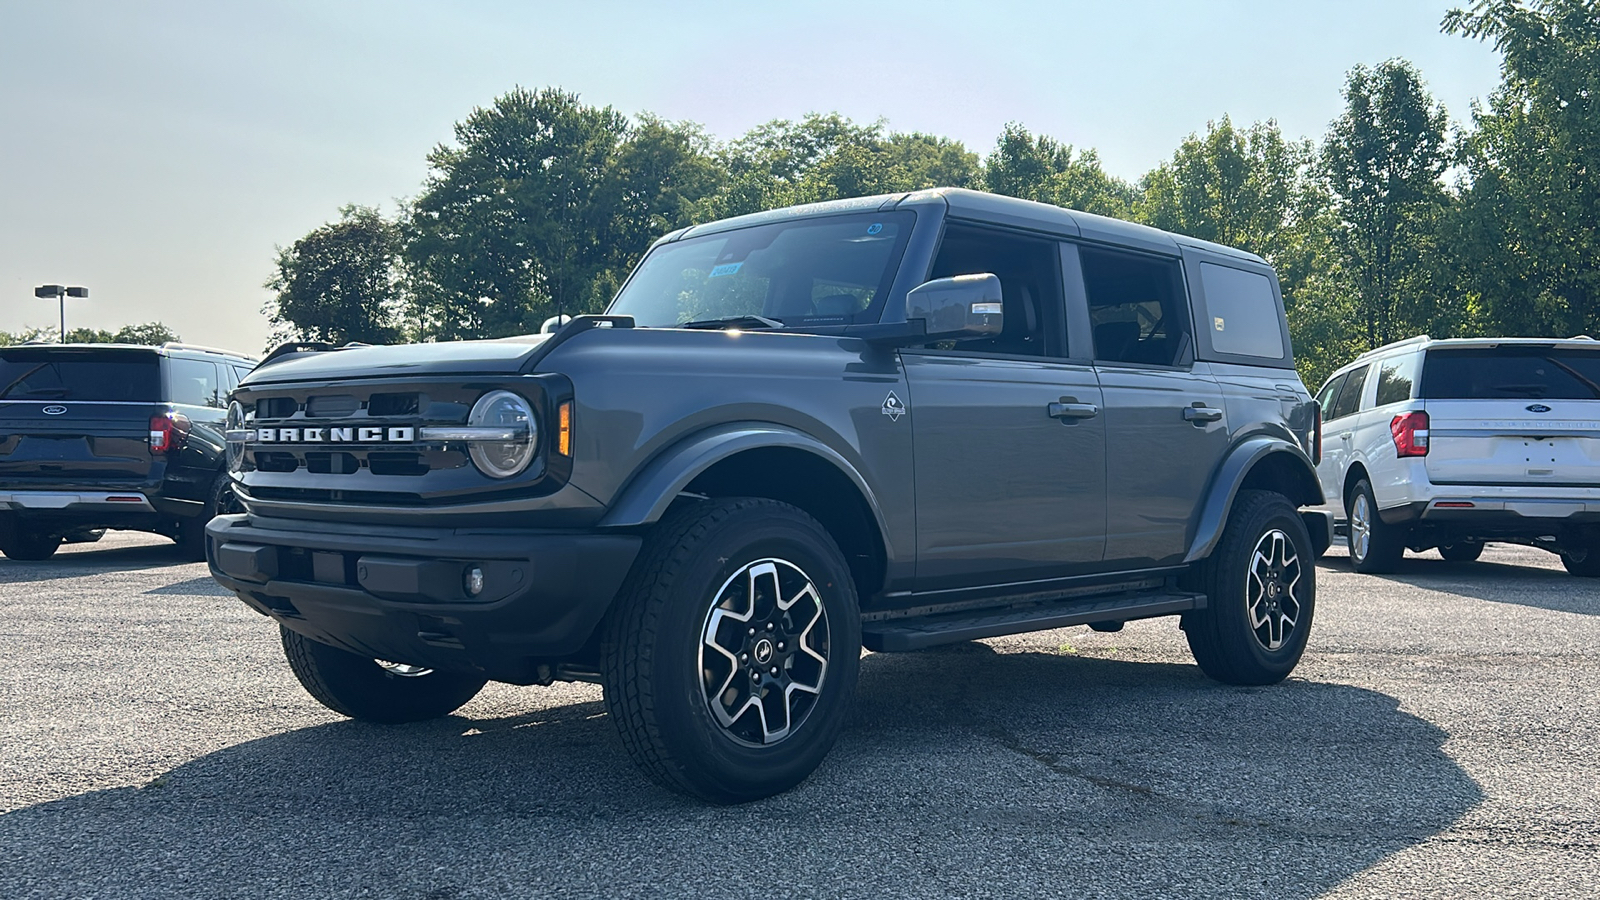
column 194, row 382
column 34, row 373
column 1243, row 310
column 1395, row 379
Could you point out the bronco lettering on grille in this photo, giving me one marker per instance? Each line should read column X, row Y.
column 352, row 435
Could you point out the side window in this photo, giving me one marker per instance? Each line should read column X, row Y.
column 1136, row 306
column 1395, row 378
column 1030, row 285
column 1243, row 310
column 192, row 382
column 1330, row 393
column 239, row 372
column 1350, row 394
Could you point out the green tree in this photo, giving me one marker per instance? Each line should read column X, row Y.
column 1531, row 225
column 1247, row 188
column 539, row 207
column 1382, row 162
column 339, row 283
column 151, row 334
column 1043, row 169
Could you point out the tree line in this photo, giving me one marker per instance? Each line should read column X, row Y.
column 1396, row 222
column 150, row 334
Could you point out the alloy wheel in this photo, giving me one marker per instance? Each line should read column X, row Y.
column 1360, row 527
column 1272, row 590
column 764, row 652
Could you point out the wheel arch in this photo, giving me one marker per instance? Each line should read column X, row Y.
column 1259, row 463
column 1352, row 476
column 771, row 461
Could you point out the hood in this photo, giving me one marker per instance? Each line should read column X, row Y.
column 503, row 356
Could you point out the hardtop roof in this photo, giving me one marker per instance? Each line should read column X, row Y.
column 997, row 208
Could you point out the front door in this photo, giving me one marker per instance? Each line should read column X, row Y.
column 1010, row 436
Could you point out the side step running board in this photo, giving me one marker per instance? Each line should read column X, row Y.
column 929, row 631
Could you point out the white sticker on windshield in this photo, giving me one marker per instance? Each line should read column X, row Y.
column 725, row 269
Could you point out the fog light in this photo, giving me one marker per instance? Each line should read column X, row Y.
column 474, row 581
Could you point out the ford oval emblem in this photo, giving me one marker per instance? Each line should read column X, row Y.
column 1537, row 407
column 54, row 410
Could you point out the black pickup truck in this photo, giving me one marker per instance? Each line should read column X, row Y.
column 883, row 423
column 97, row 436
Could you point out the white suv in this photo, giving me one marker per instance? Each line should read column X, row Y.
column 1452, row 443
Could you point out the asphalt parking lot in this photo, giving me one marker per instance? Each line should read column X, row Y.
column 1439, row 740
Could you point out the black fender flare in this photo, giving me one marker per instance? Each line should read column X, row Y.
column 645, row 498
column 1235, row 468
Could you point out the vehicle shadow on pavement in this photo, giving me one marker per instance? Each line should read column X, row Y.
column 962, row 772
column 1494, row 582
column 87, row 562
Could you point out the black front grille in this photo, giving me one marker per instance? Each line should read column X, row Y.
column 332, row 463
column 276, row 407
column 317, row 495
column 393, row 405
column 331, row 406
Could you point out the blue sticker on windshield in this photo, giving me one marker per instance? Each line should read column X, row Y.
column 725, row 269
column 874, row 228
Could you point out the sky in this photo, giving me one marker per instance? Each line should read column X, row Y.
column 159, row 153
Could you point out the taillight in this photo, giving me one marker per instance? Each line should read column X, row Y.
column 168, row 432
column 1410, row 432
column 1316, row 435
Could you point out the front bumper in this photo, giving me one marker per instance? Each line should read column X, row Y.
column 399, row 594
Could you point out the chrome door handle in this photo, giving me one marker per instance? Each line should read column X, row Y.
column 1347, row 435
column 1200, row 414
column 1066, row 409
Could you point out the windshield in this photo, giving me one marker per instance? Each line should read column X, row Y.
column 1511, row 372
column 50, row 374
column 823, row 271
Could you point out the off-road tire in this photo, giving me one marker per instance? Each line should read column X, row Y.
column 358, row 687
column 192, row 532
column 1461, row 553
column 1385, row 545
column 29, row 547
column 1582, row 560
column 1221, row 635
column 651, row 649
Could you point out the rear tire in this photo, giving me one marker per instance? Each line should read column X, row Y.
column 30, row 547
column 220, row 499
column 1261, row 590
column 1375, row 546
column 1461, row 553
column 362, row 688
column 718, row 689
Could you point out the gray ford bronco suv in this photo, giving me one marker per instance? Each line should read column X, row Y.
column 884, row 423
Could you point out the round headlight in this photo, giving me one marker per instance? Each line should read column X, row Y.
column 235, row 442
column 503, row 409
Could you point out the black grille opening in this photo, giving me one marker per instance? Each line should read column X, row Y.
column 333, row 406
column 332, row 463
column 276, row 408
column 393, row 405
column 276, row 462
column 382, row 463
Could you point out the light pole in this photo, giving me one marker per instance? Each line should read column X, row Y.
column 61, row 292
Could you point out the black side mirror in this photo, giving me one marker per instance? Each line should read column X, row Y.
column 963, row 306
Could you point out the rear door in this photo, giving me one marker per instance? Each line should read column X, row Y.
column 1513, row 414
column 76, row 413
column 1165, row 419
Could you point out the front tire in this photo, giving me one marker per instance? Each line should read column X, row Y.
column 1375, row 546
column 364, row 688
column 732, row 652
column 1260, row 584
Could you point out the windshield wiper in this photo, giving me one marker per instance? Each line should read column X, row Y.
column 733, row 322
